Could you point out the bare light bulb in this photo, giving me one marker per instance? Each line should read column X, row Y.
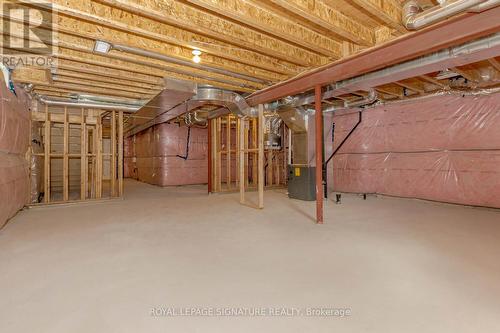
column 196, row 58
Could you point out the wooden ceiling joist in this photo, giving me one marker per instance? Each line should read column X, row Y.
column 92, row 83
column 452, row 32
column 388, row 12
column 74, row 31
column 330, row 19
column 465, row 74
column 433, row 81
column 246, row 46
column 151, row 67
column 272, row 24
column 106, row 62
column 103, row 79
column 136, row 23
column 495, row 63
column 75, row 89
column 80, row 68
column 411, row 87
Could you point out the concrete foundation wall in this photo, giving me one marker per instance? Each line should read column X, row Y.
column 151, row 156
column 444, row 148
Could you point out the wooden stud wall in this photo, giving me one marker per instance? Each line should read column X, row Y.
column 239, row 160
column 92, row 126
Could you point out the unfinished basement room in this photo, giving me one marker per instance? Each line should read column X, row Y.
column 250, row 166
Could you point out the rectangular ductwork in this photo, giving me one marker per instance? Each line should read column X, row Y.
column 175, row 92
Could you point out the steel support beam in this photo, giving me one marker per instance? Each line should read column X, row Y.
column 448, row 33
column 209, row 156
column 319, row 154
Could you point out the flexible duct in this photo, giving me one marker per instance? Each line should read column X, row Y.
column 414, row 18
column 193, row 119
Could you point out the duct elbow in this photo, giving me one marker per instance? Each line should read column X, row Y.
column 410, row 11
column 370, row 99
column 414, row 17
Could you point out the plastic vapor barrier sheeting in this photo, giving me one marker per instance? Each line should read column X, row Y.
column 155, row 156
column 14, row 140
column 443, row 148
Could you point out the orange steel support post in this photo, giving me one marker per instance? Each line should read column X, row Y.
column 319, row 155
column 209, row 156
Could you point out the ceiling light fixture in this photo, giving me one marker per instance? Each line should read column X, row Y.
column 101, row 46
column 196, row 56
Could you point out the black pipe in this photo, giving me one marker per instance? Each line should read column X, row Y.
column 187, row 145
column 325, row 165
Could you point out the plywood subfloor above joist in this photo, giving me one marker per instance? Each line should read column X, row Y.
column 266, row 41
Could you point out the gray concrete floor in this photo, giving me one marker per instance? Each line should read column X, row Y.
column 399, row 265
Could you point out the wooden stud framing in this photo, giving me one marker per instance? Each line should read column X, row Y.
column 238, row 147
column 120, row 154
column 219, row 154
column 261, row 156
column 113, row 154
column 65, row 156
column 83, row 157
column 93, row 163
column 254, row 145
column 98, row 143
column 91, row 125
column 247, row 165
column 228, row 152
column 47, row 156
column 242, row 157
column 213, row 123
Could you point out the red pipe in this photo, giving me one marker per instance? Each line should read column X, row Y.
column 319, row 155
column 209, row 156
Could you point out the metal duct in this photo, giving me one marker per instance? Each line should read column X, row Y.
column 154, row 55
column 484, row 6
column 175, row 93
column 106, row 99
column 95, row 105
column 462, row 93
column 478, row 50
column 272, row 131
column 368, row 100
column 229, row 101
column 414, row 18
column 295, row 117
column 235, row 103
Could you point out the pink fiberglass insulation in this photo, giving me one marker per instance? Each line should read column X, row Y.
column 153, row 156
column 443, row 148
column 14, row 140
column 129, row 168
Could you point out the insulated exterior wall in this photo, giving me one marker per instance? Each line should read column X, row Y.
column 152, row 156
column 14, row 140
column 443, row 148
column 129, row 160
